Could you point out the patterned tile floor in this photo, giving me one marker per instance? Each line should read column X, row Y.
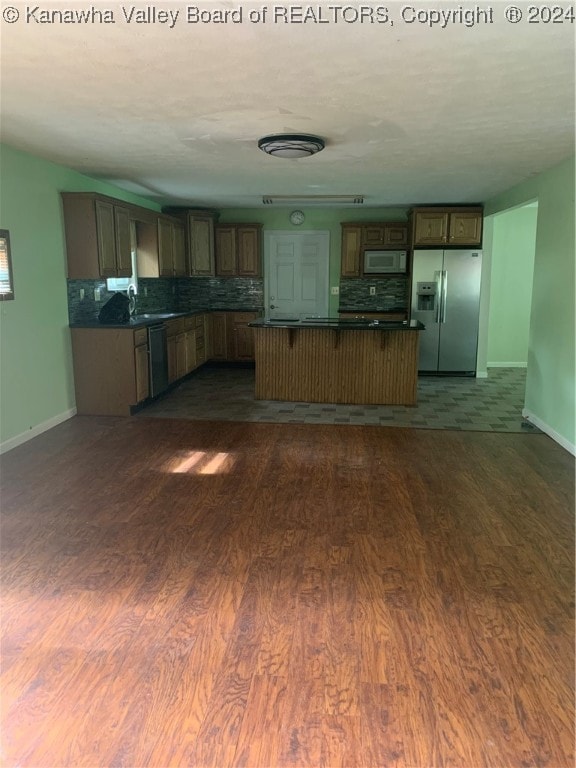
column 493, row 404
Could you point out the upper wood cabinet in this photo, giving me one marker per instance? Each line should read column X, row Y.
column 385, row 235
column 446, row 226
column 97, row 232
column 200, row 226
column 225, row 248
column 171, row 248
column 238, row 251
column 179, row 249
column 351, row 250
column 358, row 237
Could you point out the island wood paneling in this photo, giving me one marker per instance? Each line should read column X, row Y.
column 224, row 595
column 324, row 365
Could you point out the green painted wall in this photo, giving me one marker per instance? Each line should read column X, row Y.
column 513, row 250
column 316, row 218
column 36, row 382
column 550, row 384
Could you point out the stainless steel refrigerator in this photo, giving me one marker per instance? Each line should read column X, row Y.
column 446, row 298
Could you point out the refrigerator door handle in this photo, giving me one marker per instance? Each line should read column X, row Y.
column 444, row 294
column 438, row 279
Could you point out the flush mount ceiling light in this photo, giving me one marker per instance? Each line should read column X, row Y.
column 291, row 145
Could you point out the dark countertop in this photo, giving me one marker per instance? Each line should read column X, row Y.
column 372, row 311
column 340, row 324
column 140, row 321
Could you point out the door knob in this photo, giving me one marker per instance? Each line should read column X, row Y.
column 272, row 306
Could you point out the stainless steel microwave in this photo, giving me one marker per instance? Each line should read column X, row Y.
column 380, row 262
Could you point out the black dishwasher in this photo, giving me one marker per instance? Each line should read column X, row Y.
column 158, row 359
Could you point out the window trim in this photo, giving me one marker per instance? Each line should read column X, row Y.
column 7, row 263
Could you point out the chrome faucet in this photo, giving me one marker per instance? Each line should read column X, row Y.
column 131, row 293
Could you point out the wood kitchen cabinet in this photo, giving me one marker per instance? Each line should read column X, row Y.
column 97, row 232
column 241, row 336
column 201, row 340
column 142, row 371
column 171, row 248
column 351, row 250
column 200, row 230
column 238, row 250
column 358, row 237
column 110, row 370
column 231, row 338
column 384, row 235
column 218, row 336
column 446, row 226
column 225, row 248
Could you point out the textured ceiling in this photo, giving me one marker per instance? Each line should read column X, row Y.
column 410, row 113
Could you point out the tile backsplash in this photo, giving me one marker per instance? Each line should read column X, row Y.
column 391, row 293
column 226, row 293
column 168, row 294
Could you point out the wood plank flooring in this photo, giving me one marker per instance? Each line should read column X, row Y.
column 180, row 593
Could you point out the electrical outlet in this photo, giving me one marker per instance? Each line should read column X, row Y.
column 81, row 293
column 372, row 290
column 96, row 294
column 335, row 290
column 145, row 290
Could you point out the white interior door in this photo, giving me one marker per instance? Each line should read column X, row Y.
column 297, row 274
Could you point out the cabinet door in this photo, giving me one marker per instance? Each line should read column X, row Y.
column 172, row 364
column 123, row 242
column 431, row 228
column 465, row 228
column 106, row 238
column 142, row 373
column 248, row 244
column 243, row 342
column 165, row 248
column 190, row 344
column 200, row 245
column 218, row 336
column 225, row 248
column 396, row 236
column 181, row 355
column 178, row 250
column 201, row 339
column 374, row 235
column 351, row 251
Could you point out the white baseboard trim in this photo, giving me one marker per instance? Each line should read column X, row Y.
column 556, row 436
column 507, row 365
column 481, row 374
column 14, row 442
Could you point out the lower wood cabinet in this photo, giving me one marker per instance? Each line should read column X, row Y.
column 219, row 336
column 181, row 347
column 110, row 370
column 241, row 336
column 231, row 338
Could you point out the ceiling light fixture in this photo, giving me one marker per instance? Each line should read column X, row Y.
column 324, row 200
column 291, row 145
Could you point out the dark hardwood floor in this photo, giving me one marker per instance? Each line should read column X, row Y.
column 180, row 593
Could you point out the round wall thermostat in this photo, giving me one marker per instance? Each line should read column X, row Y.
column 297, row 217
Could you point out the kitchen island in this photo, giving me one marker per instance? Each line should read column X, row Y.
column 330, row 360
